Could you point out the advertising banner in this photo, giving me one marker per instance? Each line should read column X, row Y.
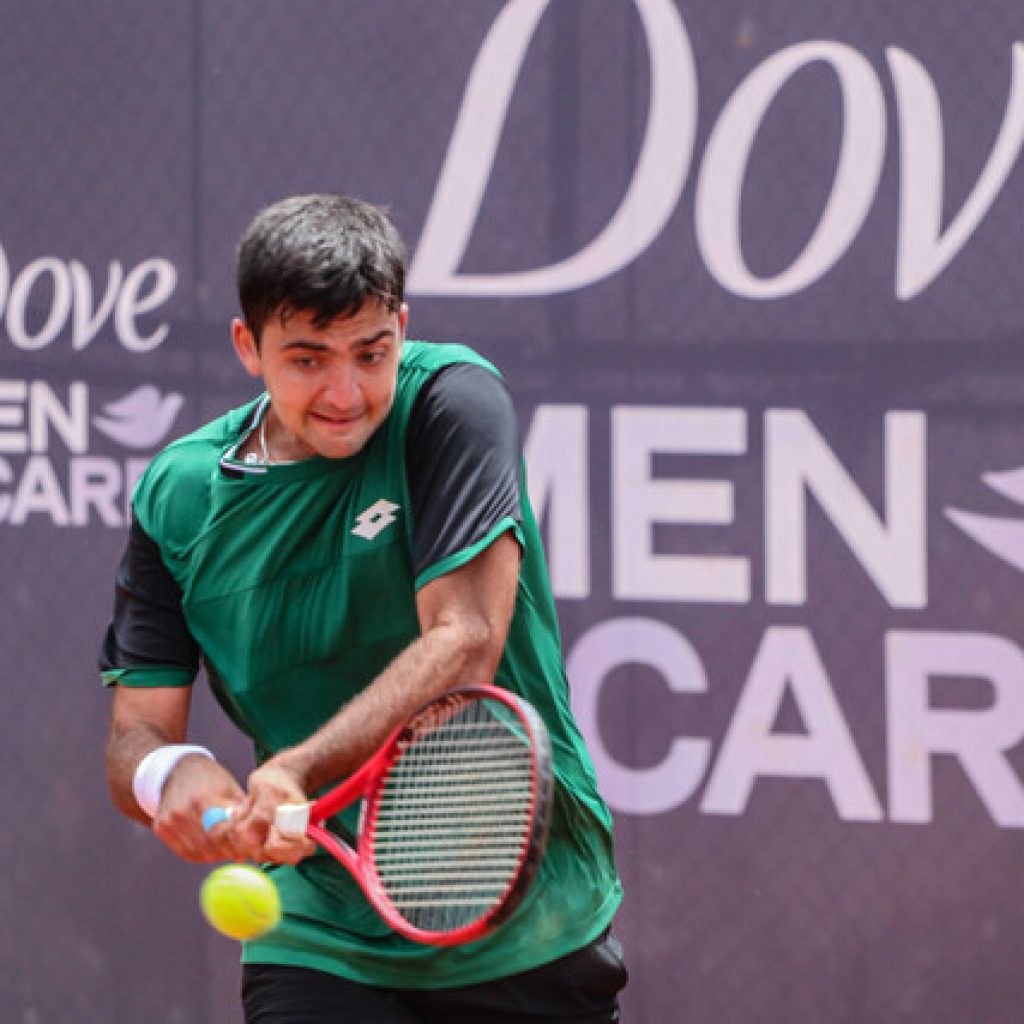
column 754, row 275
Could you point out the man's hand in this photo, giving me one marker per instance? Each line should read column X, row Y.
column 142, row 720
column 195, row 784
column 251, row 827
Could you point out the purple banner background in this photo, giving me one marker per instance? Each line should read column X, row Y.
column 845, row 291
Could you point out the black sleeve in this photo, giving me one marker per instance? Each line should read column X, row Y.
column 462, row 459
column 148, row 626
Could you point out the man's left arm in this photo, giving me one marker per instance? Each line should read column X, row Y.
column 464, row 620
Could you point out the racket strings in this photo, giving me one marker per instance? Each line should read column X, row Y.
column 453, row 816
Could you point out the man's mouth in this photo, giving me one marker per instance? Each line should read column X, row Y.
column 336, row 419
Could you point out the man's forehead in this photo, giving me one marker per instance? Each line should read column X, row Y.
column 368, row 323
column 372, row 309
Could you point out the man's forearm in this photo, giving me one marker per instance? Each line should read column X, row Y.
column 464, row 620
column 125, row 749
column 433, row 663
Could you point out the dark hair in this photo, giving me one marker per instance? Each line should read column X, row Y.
column 322, row 254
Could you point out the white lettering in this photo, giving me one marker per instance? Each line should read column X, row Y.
column 45, row 411
column 978, row 738
column 720, row 183
column 654, row 190
column 666, row 153
column 640, row 501
column 892, row 552
column 132, row 303
column 86, row 322
column 90, row 489
column 12, row 400
column 788, row 662
column 557, row 460
column 38, row 492
column 144, row 289
column 95, row 483
column 983, row 738
column 17, row 306
column 645, row 642
column 923, row 251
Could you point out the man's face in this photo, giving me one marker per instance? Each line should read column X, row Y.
column 330, row 388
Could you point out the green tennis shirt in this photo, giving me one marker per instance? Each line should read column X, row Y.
column 297, row 583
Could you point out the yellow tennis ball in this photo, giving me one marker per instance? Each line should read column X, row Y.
column 240, row 901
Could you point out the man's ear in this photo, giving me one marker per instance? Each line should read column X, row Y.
column 403, row 321
column 245, row 346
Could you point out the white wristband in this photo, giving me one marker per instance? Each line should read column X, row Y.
column 153, row 769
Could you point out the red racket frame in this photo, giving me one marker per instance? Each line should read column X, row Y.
column 366, row 784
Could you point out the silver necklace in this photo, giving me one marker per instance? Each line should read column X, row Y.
column 252, row 458
column 264, row 457
column 264, row 451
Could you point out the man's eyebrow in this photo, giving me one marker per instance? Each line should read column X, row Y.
column 319, row 346
column 379, row 336
column 312, row 346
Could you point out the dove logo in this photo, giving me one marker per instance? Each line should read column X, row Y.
column 46, row 467
column 141, row 419
column 1002, row 536
column 78, row 309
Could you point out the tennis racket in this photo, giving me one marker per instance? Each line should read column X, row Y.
column 454, row 816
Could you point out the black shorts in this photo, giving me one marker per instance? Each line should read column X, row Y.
column 580, row 988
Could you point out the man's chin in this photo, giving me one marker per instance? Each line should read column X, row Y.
column 340, row 448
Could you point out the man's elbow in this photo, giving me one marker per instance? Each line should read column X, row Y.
column 481, row 645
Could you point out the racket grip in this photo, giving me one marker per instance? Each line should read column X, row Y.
column 292, row 819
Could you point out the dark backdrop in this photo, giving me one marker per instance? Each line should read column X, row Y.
column 754, row 274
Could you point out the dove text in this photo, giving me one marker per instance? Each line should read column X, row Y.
column 925, row 246
column 50, row 299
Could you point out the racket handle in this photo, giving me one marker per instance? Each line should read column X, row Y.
column 292, row 819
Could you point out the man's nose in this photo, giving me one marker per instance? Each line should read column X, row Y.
column 341, row 388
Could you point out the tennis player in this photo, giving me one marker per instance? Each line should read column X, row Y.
column 351, row 543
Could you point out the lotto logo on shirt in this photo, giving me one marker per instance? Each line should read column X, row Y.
column 378, row 517
column 47, row 468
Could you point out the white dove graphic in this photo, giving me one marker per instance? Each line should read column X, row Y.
column 141, row 419
column 1004, row 537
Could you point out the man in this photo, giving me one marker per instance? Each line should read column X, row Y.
column 335, row 553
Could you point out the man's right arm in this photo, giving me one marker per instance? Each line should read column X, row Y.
column 141, row 721
column 150, row 657
column 145, row 720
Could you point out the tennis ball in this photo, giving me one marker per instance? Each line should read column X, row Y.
column 240, row 901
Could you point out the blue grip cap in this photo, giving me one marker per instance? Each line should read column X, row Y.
column 214, row 816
